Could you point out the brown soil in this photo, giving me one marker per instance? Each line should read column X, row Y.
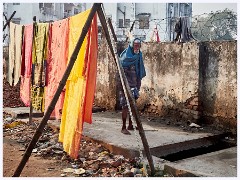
column 49, row 159
column 35, row 167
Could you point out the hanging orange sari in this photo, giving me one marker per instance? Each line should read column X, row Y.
column 80, row 85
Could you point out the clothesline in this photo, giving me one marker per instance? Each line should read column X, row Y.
column 39, row 53
column 91, row 25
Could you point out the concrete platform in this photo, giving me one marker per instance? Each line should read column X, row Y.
column 21, row 112
column 221, row 163
column 106, row 129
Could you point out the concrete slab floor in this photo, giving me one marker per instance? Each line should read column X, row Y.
column 106, row 127
column 221, row 163
column 19, row 112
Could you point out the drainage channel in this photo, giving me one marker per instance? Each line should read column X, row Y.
column 196, row 147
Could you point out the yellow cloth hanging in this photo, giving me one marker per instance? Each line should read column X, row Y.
column 75, row 86
column 39, row 55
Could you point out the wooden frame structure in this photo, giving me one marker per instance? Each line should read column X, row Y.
column 97, row 7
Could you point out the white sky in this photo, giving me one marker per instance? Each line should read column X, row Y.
column 200, row 8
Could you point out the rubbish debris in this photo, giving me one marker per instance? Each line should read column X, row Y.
column 13, row 124
column 93, row 161
column 68, row 170
column 63, row 175
column 79, row 171
column 194, row 125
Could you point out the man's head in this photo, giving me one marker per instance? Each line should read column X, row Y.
column 136, row 44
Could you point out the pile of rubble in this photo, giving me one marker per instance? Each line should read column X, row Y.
column 11, row 95
column 93, row 161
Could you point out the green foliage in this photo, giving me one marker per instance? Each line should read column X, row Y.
column 221, row 25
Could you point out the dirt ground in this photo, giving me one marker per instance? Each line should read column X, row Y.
column 49, row 160
column 35, row 167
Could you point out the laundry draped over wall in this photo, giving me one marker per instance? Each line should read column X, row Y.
column 46, row 50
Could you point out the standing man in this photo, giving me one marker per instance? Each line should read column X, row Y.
column 132, row 63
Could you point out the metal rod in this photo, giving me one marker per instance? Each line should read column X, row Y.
column 8, row 21
column 129, row 94
column 62, row 83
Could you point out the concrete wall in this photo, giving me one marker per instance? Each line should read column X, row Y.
column 172, row 79
column 218, row 80
column 106, row 83
column 192, row 81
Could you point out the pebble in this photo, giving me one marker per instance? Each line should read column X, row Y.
column 34, row 150
column 75, row 166
column 68, row 170
column 50, row 169
column 89, row 172
column 64, row 158
column 79, row 171
column 82, row 159
column 194, row 125
column 136, row 171
column 128, row 173
column 8, row 119
column 116, row 163
column 91, row 153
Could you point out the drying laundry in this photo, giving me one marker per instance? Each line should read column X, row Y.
column 155, row 37
column 15, row 58
column 183, row 30
column 39, row 56
column 56, row 62
column 91, row 72
column 80, row 85
column 26, row 67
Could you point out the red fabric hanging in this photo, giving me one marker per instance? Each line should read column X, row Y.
column 57, row 62
column 26, row 67
column 91, row 72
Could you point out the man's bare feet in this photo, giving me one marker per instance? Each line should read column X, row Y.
column 131, row 128
column 125, row 131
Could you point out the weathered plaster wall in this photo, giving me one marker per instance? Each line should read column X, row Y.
column 105, row 95
column 218, row 82
column 192, row 81
column 172, row 79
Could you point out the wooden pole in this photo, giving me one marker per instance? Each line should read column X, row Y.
column 8, row 21
column 62, row 83
column 30, row 112
column 31, row 107
column 130, row 29
column 128, row 92
column 112, row 30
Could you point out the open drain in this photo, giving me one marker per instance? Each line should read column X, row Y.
column 187, row 149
